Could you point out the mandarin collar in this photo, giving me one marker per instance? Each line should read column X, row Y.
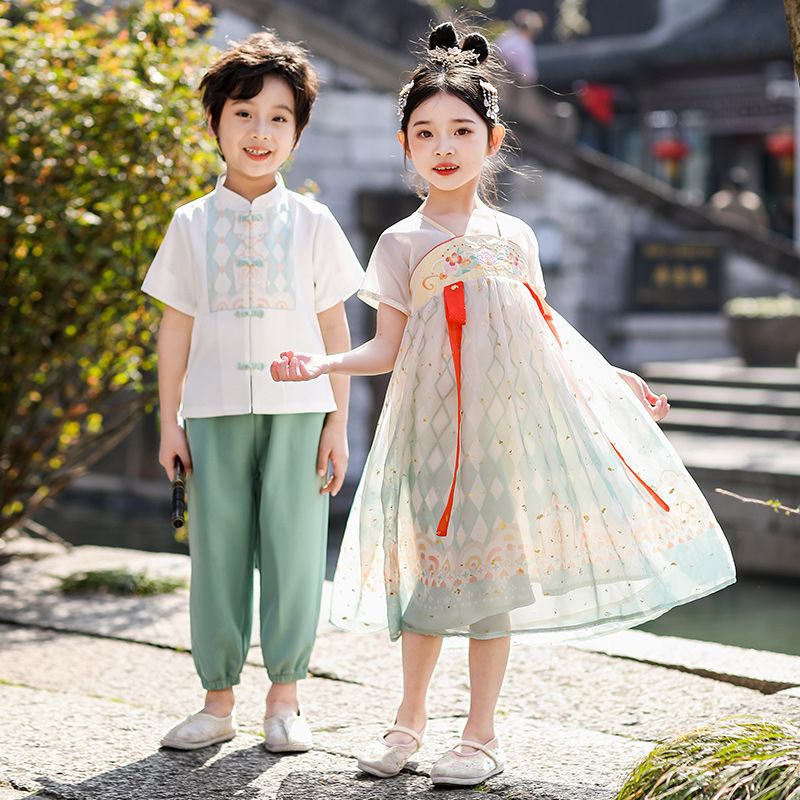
column 231, row 199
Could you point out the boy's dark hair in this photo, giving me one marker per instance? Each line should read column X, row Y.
column 238, row 74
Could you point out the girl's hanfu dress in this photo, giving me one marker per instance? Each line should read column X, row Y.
column 556, row 507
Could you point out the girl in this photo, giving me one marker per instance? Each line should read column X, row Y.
column 517, row 481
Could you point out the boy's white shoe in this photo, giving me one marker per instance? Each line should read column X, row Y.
column 287, row 733
column 385, row 760
column 201, row 730
column 469, row 769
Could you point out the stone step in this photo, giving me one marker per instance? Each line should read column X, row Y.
column 739, row 476
column 738, row 454
column 729, row 398
column 722, row 372
column 765, row 426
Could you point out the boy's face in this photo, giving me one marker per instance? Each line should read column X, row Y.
column 256, row 136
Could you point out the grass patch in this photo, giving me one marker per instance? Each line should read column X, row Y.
column 119, row 582
column 736, row 759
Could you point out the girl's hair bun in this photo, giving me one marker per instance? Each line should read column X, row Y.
column 478, row 43
column 443, row 35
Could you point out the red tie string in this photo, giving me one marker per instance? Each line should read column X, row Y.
column 456, row 312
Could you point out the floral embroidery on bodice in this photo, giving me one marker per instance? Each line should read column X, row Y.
column 464, row 258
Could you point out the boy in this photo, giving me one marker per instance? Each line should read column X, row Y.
column 239, row 269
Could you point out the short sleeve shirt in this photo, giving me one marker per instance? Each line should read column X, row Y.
column 401, row 247
column 254, row 276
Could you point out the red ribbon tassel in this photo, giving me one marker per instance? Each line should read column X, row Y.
column 545, row 312
column 650, row 490
column 456, row 312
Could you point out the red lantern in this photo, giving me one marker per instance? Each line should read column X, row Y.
column 671, row 151
column 598, row 100
column 781, row 146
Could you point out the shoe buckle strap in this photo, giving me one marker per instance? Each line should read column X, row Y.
column 409, row 731
column 482, row 747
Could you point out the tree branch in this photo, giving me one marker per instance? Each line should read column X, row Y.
column 773, row 504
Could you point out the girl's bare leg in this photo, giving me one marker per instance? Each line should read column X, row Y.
column 488, row 659
column 420, row 654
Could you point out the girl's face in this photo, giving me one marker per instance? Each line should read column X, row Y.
column 448, row 142
column 256, row 136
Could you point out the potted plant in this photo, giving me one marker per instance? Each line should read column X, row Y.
column 765, row 330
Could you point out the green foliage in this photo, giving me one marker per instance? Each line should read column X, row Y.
column 101, row 137
column 119, row 582
column 737, row 759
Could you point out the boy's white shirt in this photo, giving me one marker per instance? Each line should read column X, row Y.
column 254, row 276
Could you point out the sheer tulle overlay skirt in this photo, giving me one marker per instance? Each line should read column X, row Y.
column 551, row 533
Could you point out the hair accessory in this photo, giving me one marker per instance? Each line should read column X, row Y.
column 490, row 101
column 453, row 55
column 402, row 98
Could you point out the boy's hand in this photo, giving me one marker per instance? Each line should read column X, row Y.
column 299, row 367
column 333, row 449
column 173, row 443
column 656, row 405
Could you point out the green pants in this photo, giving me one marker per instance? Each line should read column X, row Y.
column 253, row 499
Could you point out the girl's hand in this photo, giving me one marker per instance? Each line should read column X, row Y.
column 173, row 443
column 333, row 449
column 656, row 405
column 299, row 367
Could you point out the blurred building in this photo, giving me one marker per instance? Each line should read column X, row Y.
column 682, row 90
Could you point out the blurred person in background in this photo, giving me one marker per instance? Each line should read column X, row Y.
column 516, row 45
column 736, row 201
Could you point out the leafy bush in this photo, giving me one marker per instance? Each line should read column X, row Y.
column 737, row 759
column 102, row 136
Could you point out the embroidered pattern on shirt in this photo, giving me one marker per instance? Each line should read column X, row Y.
column 249, row 260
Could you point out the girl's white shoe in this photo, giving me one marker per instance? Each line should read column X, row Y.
column 469, row 769
column 200, row 730
column 385, row 760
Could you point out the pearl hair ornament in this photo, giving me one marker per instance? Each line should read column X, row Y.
column 402, row 98
column 453, row 55
column 490, row 100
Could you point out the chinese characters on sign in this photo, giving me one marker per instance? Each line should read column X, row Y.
column 676, row 276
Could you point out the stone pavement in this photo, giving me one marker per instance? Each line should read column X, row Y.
column 88, row 684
